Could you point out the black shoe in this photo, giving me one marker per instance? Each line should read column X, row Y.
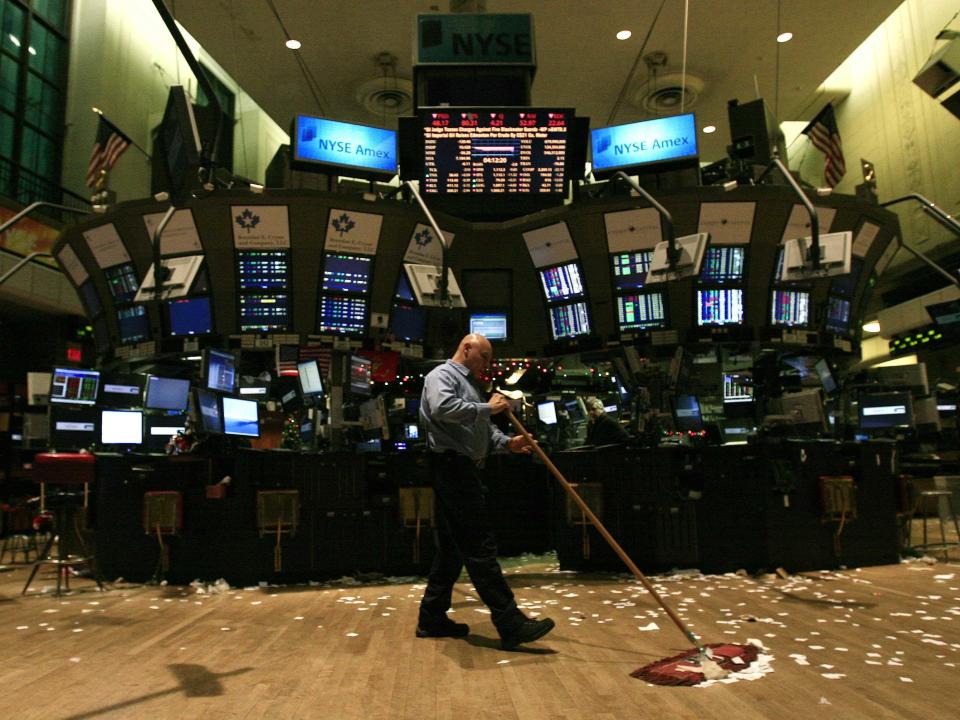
column 529, row 631
column 444, row 629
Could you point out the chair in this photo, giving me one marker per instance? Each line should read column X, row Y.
column 65, row 471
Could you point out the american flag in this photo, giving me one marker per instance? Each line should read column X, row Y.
column 287, row 357
column 107, row 149
column 825, row 136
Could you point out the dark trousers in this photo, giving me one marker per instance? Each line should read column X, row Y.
column 464, row 537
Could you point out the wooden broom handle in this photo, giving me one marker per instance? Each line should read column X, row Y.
column 595, row 521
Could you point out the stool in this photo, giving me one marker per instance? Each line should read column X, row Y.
column 162, row 516
column 64, row 469
column 944, row 500
column 278, row 513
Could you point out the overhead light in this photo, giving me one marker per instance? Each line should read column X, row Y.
column 293, row 44
column 872, row 327
column 14, row 39
column 31, row 50
column 624, row 35
column 784, row 37
column 709, row 129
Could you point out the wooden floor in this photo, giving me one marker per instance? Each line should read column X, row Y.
column 880, row 642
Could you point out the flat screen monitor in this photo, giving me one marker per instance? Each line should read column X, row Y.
column 122, row 391
column 167, row 393
column 254, row 387
column 323, row 145
column 220, row 371
column 134, row 324
column 361, row 373
column 720, row 306
column 885, row 410
column 308, row 373
column 641, row 312
column 723, row 264
column 662, row 142
column 408, row 323
column 563, row 282
column 790, row 308
column 838, row 315
column 207, row 405
column 240, row 417
column 189, row 316
column 630, row 269
column 846, row 285
column 495, row 151
column 827, row 379
column 263, row 269
column 576, row 409
column 122, row 281
column 74, row 386
column 342, row 314
column 264, row 312
column 346, row 273
column 404, row 291
column 492, row 325
column 73, row 428
column 178, row 145
column 736, row 389
column 686, row 413
column 568, row 321
column 160, row 428
column 547, row 412
column 91, row 300
column 121, row 427
column 411, row 431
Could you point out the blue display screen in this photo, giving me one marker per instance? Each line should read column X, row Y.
column 630, row 269
column 263, row 269
column 241, row 417
column 190, row 316
column 408, row 323
column 562, row 282
column 790, row 308
column 122, row 281
column 134, row 324
column 208, row 404
column 403, row 289
column 342, row 314
column 723, row 264
column 720, row 307
column 167, row 393
column 641, row 312
column 569, row 320
column 346, row 273
column 264, row 312
column 641, row 143
column 344, row 144
column 492, row 326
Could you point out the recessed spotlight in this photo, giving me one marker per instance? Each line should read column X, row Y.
column 871, row 327
column 709, row 129
column 784, row 37
column 293, row 44
column 624, row 35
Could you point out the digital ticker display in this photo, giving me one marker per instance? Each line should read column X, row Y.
column 342, row 314
column 493, row 151
column 261, row 312
column 263, row 269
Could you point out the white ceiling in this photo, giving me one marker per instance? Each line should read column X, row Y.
column 731, row 48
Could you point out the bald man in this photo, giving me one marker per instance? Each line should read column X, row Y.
column 459, row 437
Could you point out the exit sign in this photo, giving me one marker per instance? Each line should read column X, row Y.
column 475, row 39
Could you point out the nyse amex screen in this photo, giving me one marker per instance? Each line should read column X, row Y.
column 495, row 151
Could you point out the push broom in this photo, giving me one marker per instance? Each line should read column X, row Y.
column 700, row 663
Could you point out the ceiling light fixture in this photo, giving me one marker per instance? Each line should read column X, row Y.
column 871, row 327
column 293, row 44
column 624, row 35
column 784, row 37
column 709, row 129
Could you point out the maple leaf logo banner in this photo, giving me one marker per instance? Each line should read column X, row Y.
column 247, row 220
column 343, row 224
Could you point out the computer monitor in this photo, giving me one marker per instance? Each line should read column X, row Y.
column 736, row 389
column 641, row 312
column 361, row 373
column 308, row 373
column 404, row 291
column 827, row 379
column 408, row 323
column 563, row 282
column 547, row 412
column 241, row 417
column 686, row 413
column 121, row 391
column 723, row 264
column 73, row 427
column 411, row 431
column 122, row 281
column 805, row 408
column 121, row 427
column 492, row 325
column 661, row 144
column 342, row 314
column 189, row 316
column 340, row 148
column 134, row 324
column 178, row 146
column 885, row 410
column 73, row 386
column 790, row 308
column 220, row 371
column 91, row 300
column 568, row 321
column 346, row 273
column 160, row 428
column 167, row 393
column 630, row 269
column 264, row 312
column 208, row 412
column 720, row 306
column 838, row 315
column 263, row 269
column 576, row 409
column 254, row 387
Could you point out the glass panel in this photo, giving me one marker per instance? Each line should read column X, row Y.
column 6, row 135
column 9, row 77
column 53, row 11
column 43, row 106
column 46, row 52
column 12, row 28
column 38, row 154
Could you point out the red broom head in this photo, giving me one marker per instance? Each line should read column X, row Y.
column 685, row 668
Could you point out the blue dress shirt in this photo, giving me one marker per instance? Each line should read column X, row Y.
column 455, row 416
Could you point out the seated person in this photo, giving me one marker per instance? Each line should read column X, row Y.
column 603, row 429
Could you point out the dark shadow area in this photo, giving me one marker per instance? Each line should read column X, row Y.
column 494, row 644
column 825, row 603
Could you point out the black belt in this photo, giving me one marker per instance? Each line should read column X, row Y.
column 454, row 454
